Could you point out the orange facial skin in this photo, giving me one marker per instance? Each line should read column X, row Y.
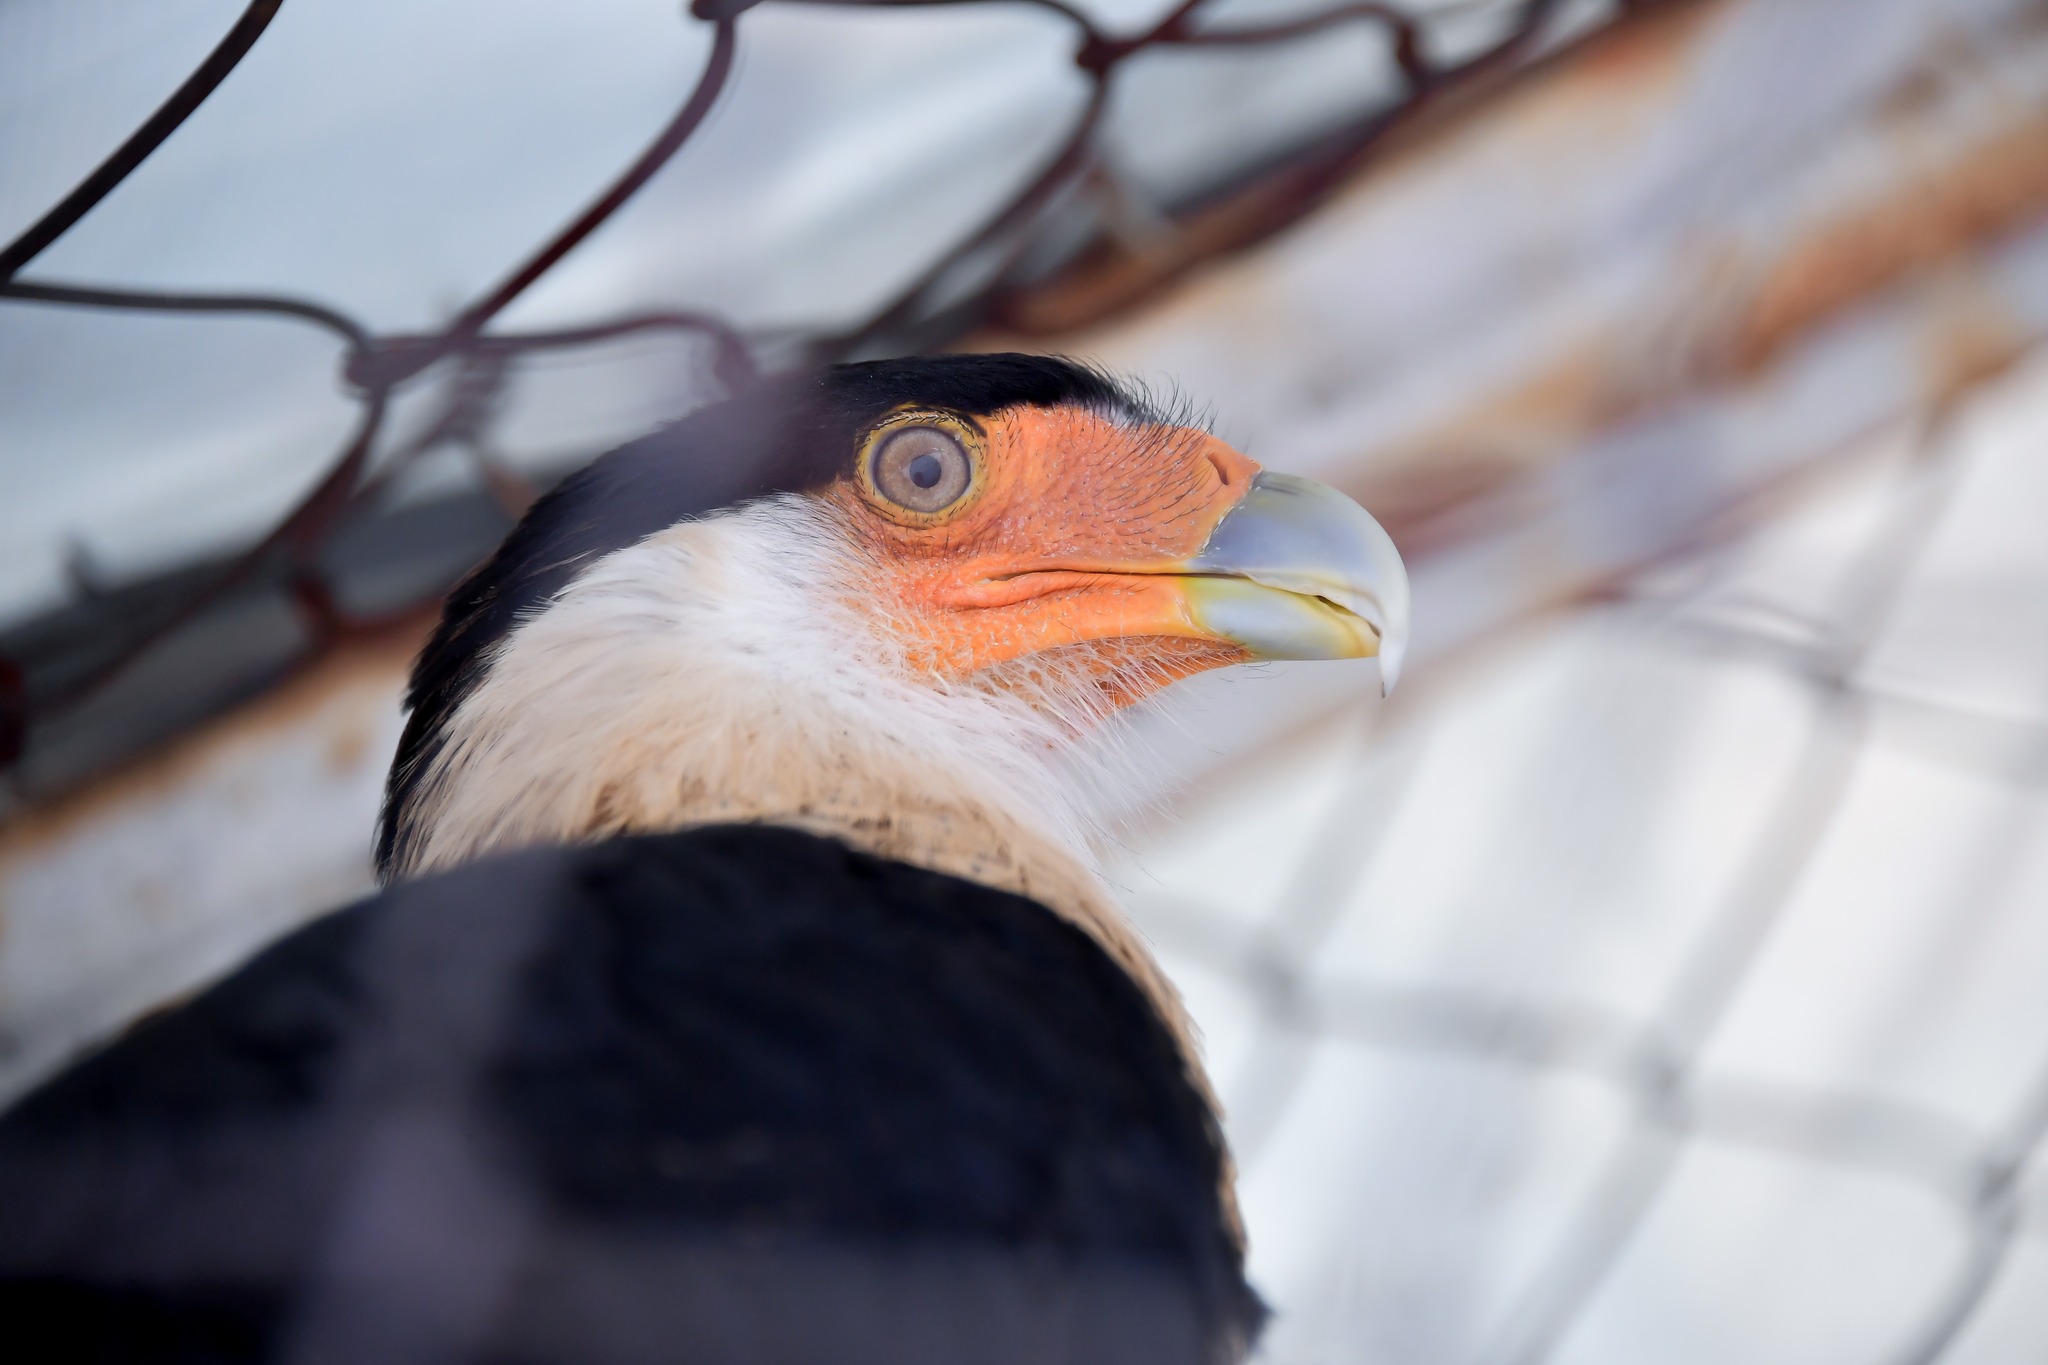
column 1072, row 544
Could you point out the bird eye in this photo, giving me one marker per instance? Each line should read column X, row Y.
column 921, row 469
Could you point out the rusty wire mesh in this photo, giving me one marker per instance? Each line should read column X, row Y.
column 980, row 279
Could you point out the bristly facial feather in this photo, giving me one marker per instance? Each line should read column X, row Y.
column 710, row 674
column 793, row 435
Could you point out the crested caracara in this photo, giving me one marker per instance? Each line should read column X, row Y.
column 742, row 989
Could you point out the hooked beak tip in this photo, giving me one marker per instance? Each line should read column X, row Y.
column 1393, row 653
column 1334, row 568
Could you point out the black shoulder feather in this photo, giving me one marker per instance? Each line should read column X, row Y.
column 735, row 1094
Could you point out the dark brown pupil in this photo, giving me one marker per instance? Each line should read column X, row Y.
column 922, row 469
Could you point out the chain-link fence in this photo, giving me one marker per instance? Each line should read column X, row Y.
column 1058, row 228
column 120, row 668
column 1297, row 996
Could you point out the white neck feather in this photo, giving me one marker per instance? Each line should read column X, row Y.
column 707, row 676
column 710, row 673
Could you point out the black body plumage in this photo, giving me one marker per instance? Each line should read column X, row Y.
column 733, row 1094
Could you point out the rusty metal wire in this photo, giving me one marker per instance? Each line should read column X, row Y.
column 936, row 307
column 1655, row 1065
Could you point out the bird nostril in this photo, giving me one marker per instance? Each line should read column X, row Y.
column 1222, row 470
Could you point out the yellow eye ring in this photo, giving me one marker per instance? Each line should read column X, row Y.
column 921, row 467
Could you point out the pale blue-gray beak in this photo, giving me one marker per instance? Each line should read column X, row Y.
column 1296, row 570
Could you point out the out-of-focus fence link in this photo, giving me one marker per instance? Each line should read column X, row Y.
column 1675, row 1100
column 976, row 281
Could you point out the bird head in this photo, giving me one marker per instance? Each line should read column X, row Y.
column 860, row 541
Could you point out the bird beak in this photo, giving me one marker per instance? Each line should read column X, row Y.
column 1296, row 570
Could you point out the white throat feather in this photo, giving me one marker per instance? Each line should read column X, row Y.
column 710, row 674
